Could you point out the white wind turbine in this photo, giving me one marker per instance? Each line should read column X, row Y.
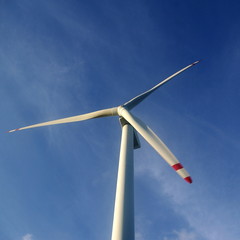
column 123, row 219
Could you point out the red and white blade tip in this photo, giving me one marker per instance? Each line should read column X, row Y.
column 182, row 172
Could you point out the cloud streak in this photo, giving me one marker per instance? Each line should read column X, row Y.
column 207, row 216
column 183, row 234
column 28, row 236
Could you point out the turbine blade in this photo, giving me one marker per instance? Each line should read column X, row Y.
column 97, row 114
column 136, row 100
column 155, row 142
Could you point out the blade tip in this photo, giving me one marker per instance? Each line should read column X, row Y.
column 196, row 62
column 188, row 179
column 14, row 130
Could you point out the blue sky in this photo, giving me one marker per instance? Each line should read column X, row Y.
column 64, row 58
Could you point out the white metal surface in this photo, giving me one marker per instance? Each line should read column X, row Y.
column 136, row 100
column 123, row 220
column 154, row 141
column 101, row 113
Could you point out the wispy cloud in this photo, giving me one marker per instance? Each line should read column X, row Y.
column 207, row 217
column 183, row 234
column 139, row 236
column 28, row 236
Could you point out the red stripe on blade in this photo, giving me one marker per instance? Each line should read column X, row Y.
column 188, row 179
column 177, row 166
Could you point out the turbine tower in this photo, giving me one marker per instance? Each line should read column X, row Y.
column 123, row 219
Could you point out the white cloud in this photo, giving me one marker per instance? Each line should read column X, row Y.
column 207, row 216
column 138, row 236
column 183, row 235
column 28, row 236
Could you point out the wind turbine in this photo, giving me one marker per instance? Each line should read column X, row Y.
column 123, row 219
